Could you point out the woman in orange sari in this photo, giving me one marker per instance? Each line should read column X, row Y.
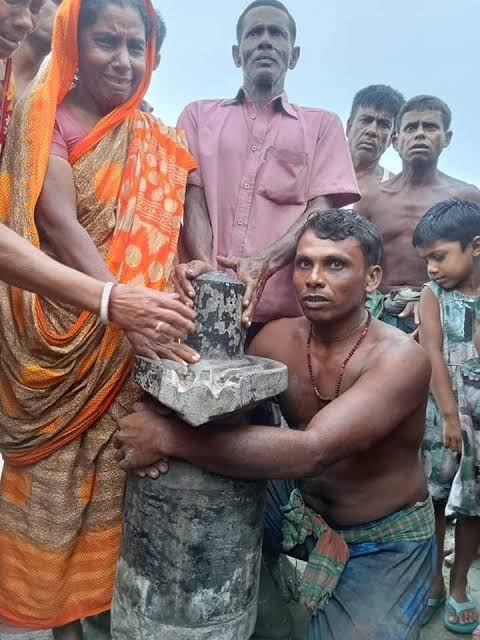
column 21, row 263
column 102, row 184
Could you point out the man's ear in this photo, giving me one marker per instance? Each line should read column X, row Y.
column 476, row 246
column 374, row 277
column 448, row 138
column 348, row 127
column 294, row 58
column 237, row 59
column 395, row 141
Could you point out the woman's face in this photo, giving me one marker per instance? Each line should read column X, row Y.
column 112, row 55
column 18, row 18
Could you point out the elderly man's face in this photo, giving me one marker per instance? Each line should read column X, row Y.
column 17, row 20
column 266, row 50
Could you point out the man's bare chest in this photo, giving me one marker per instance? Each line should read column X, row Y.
column 398, row 215
column 300, row 403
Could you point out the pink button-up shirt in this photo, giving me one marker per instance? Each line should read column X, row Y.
column 259, row 170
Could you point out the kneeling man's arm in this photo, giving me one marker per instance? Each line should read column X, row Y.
column 386, row 394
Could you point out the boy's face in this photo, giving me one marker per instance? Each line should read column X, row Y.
column 447, row 263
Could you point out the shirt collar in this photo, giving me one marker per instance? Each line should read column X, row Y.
column 280, row 102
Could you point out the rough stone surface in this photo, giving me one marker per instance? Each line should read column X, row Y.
column 209, row 389
column 218, row 302
column 190, row 559
column 191, row 548
column 224, row 380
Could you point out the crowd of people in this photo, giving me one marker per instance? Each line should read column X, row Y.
column 106, row 217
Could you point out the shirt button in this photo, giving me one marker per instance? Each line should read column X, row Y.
column 246, row 185
column 254, row 148
column 239, row 222
column 253, row 116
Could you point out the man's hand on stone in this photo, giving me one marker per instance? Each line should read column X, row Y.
column 185, row 273
column 254, row 273
column 141, row 439
column 154, row 471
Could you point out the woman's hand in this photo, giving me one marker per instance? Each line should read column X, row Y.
column 156, row 316
column 159, row 347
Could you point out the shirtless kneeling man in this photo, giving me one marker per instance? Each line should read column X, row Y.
column 356, row 405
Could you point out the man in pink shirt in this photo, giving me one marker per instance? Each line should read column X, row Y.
column 264, row 165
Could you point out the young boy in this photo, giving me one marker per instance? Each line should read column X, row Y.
column 448, row 239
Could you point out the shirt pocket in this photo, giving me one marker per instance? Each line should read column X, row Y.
column 283, row 176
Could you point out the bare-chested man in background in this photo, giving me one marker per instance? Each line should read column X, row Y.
column 396, row 206
column 370, row 128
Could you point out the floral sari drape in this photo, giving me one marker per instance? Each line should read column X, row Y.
column 63, row 375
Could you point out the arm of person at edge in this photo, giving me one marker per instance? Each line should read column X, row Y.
column 56, row 219
column 23, row 265
column 431, row 339
column 363, row 416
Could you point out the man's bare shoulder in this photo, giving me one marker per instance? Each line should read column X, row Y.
column 277, row 339
column 398, row 352
column 461, row 189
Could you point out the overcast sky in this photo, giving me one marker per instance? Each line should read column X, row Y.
column 416, row 46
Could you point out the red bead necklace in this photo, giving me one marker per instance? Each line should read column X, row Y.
column 362, row 337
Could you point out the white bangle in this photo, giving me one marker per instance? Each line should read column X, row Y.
column 104, row 302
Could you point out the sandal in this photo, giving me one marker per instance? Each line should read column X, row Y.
column 458, row 607
column 433, row 605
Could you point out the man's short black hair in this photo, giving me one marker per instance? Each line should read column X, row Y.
column 267, row 3
column 426, row 103
column 380, row 97
column 340, row 224
column 451, row 220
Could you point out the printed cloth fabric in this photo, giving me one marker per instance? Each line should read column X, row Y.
column 388, row 306
column 64, row 375
column 456, row 475
column 328, row 559
column 382, row 590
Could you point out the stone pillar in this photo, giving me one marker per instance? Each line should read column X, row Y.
column 191, row 549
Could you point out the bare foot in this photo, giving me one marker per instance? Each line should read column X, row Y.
column 72, row 631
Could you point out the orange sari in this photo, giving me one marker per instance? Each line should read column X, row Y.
column 64, row 377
